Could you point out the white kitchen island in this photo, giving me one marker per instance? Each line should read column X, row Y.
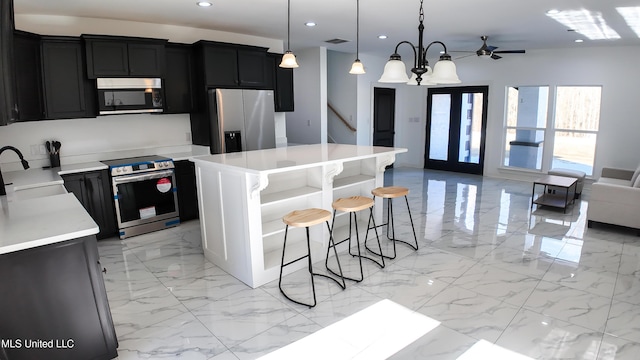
column 243, row 196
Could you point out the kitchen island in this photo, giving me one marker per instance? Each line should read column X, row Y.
column 243, row 196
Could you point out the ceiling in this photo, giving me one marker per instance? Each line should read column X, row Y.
column 459, row 24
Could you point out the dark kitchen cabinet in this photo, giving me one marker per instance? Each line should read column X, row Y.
column 282, row 86
column 178, row 80
column 252, row 71
column 28, row 77
column 67, row 92
column 187, row 190
column 233, row 66
column 93, row 190
column 56, row 293
column 112, row 56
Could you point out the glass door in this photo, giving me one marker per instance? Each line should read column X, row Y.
column 456, row 126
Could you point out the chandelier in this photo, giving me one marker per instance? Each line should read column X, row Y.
column 444, row 71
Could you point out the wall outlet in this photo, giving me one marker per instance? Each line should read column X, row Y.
column 308, row 122
column 35, row 150
column 187, row 136
column 43, row 150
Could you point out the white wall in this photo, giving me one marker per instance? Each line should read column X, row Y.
column 613, row 68
column 342, row 91
column 373, row 66
column 86, row 139
column 308, row 123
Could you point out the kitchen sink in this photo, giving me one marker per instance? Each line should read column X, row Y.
column 37, row 192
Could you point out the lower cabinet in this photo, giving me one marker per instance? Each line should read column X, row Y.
column 93, row 189
column 54, row 303
column 187, row 190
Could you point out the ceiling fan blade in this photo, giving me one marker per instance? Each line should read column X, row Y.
column 491, row 48
column 464, row 56
column 510, row 52
column 496, row 57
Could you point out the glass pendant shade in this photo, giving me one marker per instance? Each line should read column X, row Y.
column 394, row 72
column 444, row 72
column 357, row 68
column 289, row 60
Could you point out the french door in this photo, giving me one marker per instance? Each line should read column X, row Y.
column 456, row 129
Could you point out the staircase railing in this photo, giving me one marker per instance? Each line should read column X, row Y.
column 344, row 121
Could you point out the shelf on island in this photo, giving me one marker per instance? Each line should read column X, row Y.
column 273, row 227
column 351, row 180
column 279, row 196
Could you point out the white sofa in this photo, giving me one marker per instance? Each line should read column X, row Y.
column 615, row 198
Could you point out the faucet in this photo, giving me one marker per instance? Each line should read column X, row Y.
column 25, row 165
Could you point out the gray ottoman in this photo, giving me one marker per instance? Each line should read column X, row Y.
column 574, row 174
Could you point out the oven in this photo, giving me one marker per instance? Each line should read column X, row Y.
column 144, row 193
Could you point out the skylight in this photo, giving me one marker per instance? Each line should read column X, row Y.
column 631, row 15
column 591, row 24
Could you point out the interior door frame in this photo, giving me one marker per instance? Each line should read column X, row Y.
column 452, row 164
column 380, row 93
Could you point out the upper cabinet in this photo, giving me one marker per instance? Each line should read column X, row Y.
column 50, row 79
column 233, row 66
column 67, row 91
column 28, row 77
column 178, row 80
column 282, row 85
column 113, row 56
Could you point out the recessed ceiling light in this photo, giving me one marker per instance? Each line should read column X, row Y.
column 578, row 40
column 382, row 36
column 204, row 3
column 553, row 11
column 310, row 24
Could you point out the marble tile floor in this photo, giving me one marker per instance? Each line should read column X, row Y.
column 539, row 282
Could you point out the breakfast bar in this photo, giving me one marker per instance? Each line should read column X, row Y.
column 244, row 195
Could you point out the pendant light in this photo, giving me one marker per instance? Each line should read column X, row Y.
column 357, row 67
column 288, row 59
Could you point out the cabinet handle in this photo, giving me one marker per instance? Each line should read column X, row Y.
column 104, row 270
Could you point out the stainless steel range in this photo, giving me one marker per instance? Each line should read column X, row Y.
column 145, row 194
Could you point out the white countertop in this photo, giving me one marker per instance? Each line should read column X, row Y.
column 289, row 158
column 36, row 211
column 41, row 221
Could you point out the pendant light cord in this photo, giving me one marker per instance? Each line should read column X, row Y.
column 288, row 25
column 358, row 29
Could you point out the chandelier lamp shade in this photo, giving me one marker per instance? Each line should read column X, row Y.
column 357, row 68
column 444, row 71
column 288, row 59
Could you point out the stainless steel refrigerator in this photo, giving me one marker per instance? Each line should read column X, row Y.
column 241, row 120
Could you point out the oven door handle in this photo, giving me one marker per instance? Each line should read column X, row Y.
column 152, row 175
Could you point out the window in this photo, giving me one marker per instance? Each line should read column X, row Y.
column 526, row 124
column 577, row 119
column 573, row 129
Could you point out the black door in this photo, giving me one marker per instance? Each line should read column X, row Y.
column 456, row 127
column 384, row 101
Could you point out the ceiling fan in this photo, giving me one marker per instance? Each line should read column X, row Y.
column 486, row 51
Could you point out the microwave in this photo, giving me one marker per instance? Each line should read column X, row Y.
column 129, row 95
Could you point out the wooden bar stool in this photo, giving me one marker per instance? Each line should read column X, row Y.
column 306, row 218
column 390, row 193
column 353, row 205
